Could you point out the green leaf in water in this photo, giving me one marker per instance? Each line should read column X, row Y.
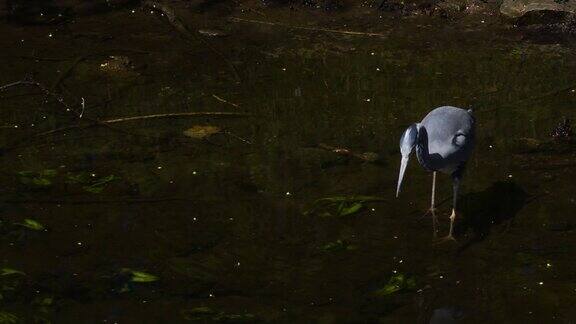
column 10, row 271
column 31, row 224
column 46, row 301
column 140, row 276
column 340, row 205
column 41, row 182
column 79, row 178
column 7, row 318
column 100, row 184
column 37, row 179
column 398, row 282
column 94, row 190
column 336, row 246
column 350, row 209
column 50, row 173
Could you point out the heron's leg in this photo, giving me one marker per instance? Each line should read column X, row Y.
column 432, row 210
column 433, row 190
column 432, row 200
column 456, row 188
column 433, row 207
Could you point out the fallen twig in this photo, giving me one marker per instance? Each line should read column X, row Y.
column 177, row 24
column 92, row 201
column 225, row 101
column 113, row 201
column 37, row 58
column 83, row 104
column 155, row 116
column 258, row 12
column 545, row 95
column 237, row 137
column 58, row 98
column 171, row 115
column 13, row 84
column 42, row 88
column 326, row 30
column 65, row 74
column 367, row 157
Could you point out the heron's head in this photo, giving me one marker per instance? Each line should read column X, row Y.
column 407, row 143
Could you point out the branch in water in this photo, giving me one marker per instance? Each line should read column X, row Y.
column 184, row 114
column 155, row 116
column 177, row 24
column 326, row 30
column 225, row 101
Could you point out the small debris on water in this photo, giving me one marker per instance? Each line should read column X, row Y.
column 212, row 32
column 201, row 131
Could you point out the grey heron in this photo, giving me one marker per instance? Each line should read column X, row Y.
column 443, row 141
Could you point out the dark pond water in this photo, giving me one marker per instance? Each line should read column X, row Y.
column 138, row 223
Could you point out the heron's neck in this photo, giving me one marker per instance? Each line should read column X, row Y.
column 422, row 152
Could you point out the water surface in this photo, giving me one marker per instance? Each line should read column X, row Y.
column 221, row 222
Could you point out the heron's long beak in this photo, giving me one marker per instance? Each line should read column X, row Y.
column 403, row 165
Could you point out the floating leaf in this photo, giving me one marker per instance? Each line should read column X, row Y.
column 140, row 276
column 351, row 209
column 31, row 224
column 397, row 282
column 200, row 132
column 9, row 272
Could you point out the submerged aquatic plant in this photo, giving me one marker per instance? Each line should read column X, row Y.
column 39, row 179
column 8, row 318
column 338, row 245
column 10, row 284
column 340, row 205
column 90, row 182
column 9, row 272
column 98, row 184
column 46, row 178
column 31, row 224
column 204, row 314
column 397, row 283
column 139, row 276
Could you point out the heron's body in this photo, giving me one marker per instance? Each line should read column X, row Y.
column 450, row 133
column 443, row 141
